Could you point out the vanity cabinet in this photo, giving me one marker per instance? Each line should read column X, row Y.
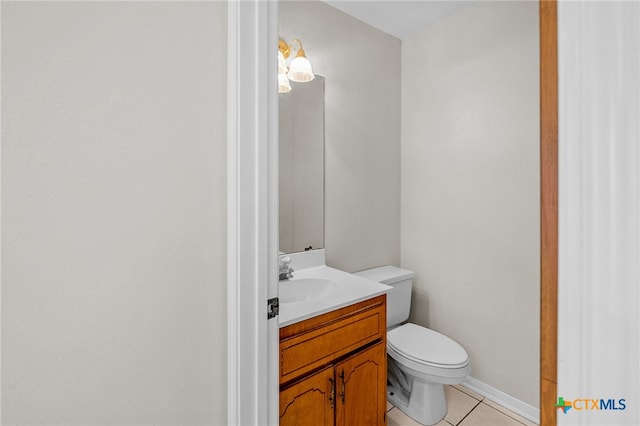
column 333, row 367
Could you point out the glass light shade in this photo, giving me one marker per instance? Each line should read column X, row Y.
column 283, row 83
column 300, row 70
column 282, row 67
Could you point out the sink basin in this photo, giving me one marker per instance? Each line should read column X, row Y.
column 303, row 289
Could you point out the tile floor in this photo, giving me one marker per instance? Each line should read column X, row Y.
column 466, row 408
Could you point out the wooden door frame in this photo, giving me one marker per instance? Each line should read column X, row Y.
column 548, row 210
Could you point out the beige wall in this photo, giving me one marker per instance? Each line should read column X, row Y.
column 113, row 220
column 470, row 187
column 362, row 131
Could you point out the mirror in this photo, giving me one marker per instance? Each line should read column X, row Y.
column 302, row 166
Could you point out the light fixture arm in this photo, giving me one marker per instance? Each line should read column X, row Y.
column 285, row 48
column 300, row 49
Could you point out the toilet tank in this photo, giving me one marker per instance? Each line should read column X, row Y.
column 399, row 297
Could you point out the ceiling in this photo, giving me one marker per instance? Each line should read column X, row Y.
column 398, row 18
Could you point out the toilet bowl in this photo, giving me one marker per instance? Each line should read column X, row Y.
column 420, row 360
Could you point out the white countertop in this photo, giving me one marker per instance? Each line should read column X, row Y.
column 350, row 289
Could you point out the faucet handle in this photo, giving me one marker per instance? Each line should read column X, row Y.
column 284, row 269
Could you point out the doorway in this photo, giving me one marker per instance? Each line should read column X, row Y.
column 252, row 395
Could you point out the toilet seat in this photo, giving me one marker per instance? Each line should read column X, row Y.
column 426, row 347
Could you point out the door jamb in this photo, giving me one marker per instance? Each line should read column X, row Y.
column 252, row 212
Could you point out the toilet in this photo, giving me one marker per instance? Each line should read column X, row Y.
column 419, row 361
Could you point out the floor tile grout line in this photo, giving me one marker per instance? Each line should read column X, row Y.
column 501, row 412
column 470, row 411
column 482, row 398
column 462, row 389
column 478, row 402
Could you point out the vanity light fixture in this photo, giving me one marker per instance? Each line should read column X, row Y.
column 299, row 70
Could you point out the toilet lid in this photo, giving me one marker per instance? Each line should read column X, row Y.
column 426, row 346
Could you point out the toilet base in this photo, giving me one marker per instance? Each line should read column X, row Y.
column 426, row 404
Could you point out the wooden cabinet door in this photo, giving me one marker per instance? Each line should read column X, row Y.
column 309, row 402
column 361, row 388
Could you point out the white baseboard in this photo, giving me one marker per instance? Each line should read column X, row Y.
column 527, row 411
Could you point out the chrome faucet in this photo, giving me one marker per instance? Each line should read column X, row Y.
column 284, row 269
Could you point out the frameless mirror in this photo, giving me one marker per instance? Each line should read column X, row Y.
column 302, row 166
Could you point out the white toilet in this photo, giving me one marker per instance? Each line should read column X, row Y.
column 420, row 361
